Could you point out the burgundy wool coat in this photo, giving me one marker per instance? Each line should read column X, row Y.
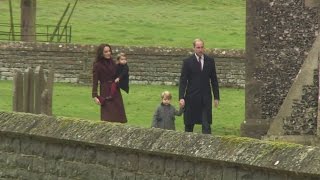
column 103, row 75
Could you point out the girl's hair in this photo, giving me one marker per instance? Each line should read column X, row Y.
column 120, row 55
column 166, row 94
column 99, row 53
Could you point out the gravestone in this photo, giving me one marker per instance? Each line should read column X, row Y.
column 32, row 91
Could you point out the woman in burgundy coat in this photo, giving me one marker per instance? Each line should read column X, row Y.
column 104, row 70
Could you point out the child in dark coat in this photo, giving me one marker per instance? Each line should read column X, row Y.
column 122, row 75
column 164, row 116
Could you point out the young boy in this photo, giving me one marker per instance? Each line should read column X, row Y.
column 122, row 76
column 164, row 115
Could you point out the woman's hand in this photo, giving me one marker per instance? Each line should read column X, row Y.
column 96, row 100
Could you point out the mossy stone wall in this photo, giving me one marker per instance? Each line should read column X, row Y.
column 42, row 147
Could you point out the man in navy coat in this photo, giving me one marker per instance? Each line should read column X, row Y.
column 198, row 81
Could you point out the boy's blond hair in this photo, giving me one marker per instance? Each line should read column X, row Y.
column 166, row 94
column 120, row 55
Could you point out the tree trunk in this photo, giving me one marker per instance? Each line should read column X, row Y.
column 28, row 20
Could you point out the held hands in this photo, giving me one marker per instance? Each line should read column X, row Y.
column 96, row 100
column 117, row 80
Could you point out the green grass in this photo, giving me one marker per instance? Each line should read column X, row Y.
column 72, row 100
column 168, row 23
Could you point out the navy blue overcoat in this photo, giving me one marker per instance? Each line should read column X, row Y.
column 196, row 87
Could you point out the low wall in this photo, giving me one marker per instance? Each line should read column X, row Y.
column 148, row 65
column 42, row 147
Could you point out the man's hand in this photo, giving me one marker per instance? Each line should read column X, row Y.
column 181, row 103
column 216, row 103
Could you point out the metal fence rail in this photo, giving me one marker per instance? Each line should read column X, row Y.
column 44, row 33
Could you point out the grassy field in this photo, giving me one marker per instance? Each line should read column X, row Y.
column 169, row 23
column 75, row 101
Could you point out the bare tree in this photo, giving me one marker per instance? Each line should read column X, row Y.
column 28, row 20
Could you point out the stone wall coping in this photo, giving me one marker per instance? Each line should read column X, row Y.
column 239, row 151
column 39, row 46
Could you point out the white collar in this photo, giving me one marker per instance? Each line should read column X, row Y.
column 198, row 57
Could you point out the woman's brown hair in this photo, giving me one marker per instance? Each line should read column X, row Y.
column 99, row 53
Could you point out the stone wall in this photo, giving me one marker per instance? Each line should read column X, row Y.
column 279, row 36
column 148, row 65
column 42, row 147
column 303, row 120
